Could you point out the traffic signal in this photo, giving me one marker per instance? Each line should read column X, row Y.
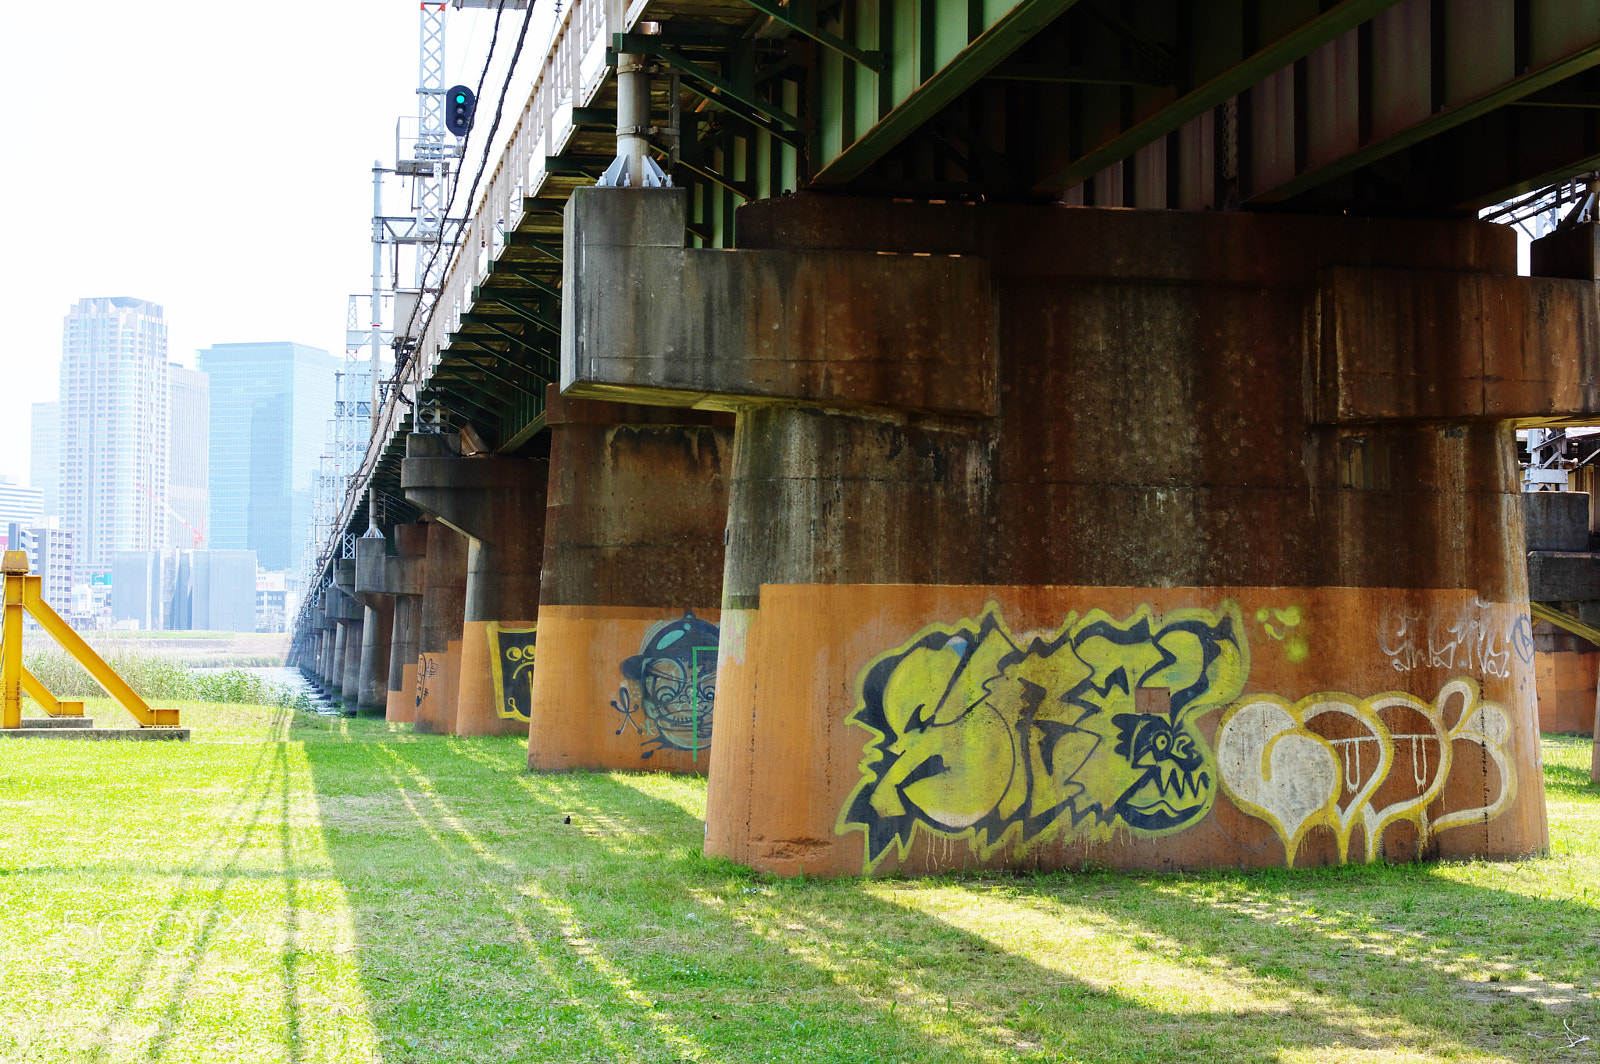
column 459, row 106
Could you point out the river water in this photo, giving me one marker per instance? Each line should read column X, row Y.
column 283, row 676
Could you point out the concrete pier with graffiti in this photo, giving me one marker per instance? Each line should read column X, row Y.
column 1152, row 540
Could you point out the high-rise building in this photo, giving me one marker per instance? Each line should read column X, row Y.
column 20, row 504
column 44, row 455
column 269, row 409
column 188, row 458
column 49, row 557
column 113, row 480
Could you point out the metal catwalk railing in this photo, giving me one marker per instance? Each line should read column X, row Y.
column 573, row 73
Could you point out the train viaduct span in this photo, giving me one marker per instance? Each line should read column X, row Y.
column 998, row 432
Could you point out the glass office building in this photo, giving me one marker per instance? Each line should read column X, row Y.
column 270, row 404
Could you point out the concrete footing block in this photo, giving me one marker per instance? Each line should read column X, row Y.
column 113, row 734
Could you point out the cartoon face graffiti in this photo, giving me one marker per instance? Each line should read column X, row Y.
column 671, row 685
column 1172, row 784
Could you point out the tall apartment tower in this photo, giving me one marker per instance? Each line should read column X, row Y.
column 44, row 455
column 113, row 466
column 189, row 457
column 269, row 410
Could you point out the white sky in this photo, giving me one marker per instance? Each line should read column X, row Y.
column 211, row 157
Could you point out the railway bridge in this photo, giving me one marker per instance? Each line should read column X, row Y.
column 998, row 433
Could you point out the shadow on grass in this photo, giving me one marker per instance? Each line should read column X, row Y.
column 507, row 916
column 208, row 878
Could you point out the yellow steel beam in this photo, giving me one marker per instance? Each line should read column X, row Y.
column 31, row 596
column 47, row 701
column 11, row 644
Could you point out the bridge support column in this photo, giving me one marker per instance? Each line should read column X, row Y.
column 1071, row 535
column 403, row 576
column 498, row 503
column 377, row 625
column 333, row 675
column 628, row 613
column 439, row 630
column 351, row 612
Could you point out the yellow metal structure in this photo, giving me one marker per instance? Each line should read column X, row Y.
column 24, row 592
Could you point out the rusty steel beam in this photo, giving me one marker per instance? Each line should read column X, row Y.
column 1218, row 86
column 1472, row 69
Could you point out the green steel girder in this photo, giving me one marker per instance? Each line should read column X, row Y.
column 1446, row 119
column 488, row 371
column 527, row 314
column 801, row 16
column 903, row 107
column 502, row 332
column 792, row 139
column 648, row 44
column 453, row 395
column 536, row 283
column 1227, row 81
column 518, row 239
column 548, row 369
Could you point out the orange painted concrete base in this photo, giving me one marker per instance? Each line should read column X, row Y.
column 437, row 676
column 401, row 707
column 1566, row 682
column 920, row 728
column 587, row 714
column 476, row 710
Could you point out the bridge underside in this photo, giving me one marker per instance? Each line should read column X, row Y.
column 988, row 529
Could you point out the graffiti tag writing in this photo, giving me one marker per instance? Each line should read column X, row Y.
column 1469, row 640
column 983, row 735
column 1345, row 762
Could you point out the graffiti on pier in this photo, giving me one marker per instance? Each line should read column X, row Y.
column 669, row 686
column 427, row 669
column 1467, row 639
column 983, row 735
column 1345, row 762
column 1284, row 626
column 512, row 651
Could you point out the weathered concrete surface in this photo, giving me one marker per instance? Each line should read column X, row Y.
column 1556, row 520
column 1563, row 576
column 499, row 504
column 444, row 598
column 403, row 577
column 736, row 328
column 377, row 625
column 626, row 666
column 1149, row 611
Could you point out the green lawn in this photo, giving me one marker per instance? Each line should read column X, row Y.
column 298, row 889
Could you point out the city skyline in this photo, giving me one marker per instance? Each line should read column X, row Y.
column 213, row 220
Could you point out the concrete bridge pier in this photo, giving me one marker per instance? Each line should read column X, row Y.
column 332, row 680
column 351, row 615
column 628, row 614
column 439, row 629
column 1153, row 539
column 498, row 505
column 403, row 579
column 377, row 625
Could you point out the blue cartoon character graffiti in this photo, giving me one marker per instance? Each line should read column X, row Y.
column 669, row 686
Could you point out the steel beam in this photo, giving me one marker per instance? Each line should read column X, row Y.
column 937, row 90
column 1265, row 61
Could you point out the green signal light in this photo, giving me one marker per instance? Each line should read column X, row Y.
column 460, row 98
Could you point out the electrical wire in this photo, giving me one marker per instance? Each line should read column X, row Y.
column 499, row 110
column 483, row 160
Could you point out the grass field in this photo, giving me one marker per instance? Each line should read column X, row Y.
column 293, row 888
